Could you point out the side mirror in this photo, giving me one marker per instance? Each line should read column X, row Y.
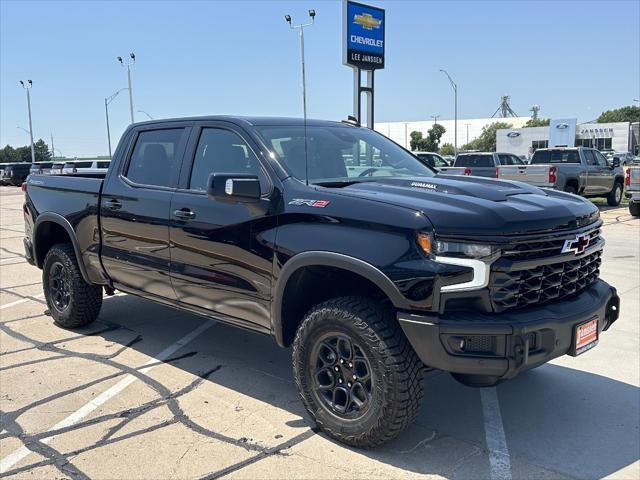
column 616, row 162
column 233, row 187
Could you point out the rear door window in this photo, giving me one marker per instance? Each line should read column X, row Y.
column 155, row 159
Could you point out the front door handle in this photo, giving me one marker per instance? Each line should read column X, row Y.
column 113, row 204
column 184, row 214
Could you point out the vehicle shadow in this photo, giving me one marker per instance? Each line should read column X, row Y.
column 567, row 421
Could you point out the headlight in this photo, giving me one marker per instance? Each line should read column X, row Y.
column 457, row 249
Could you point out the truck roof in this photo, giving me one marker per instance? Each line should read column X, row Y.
column 249, row 120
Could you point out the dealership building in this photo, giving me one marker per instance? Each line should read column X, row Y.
column 619, row 137
column 468, row 129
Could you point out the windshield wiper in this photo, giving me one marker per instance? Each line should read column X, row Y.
column 337, row 183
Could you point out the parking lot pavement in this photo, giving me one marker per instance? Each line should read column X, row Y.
column 150, row 392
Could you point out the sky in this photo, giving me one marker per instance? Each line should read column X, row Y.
column 573, row 58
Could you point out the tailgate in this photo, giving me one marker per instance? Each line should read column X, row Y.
column 537, row 175
column 454, row 171
column 634, row 179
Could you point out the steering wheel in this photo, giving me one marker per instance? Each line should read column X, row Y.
column 368, row 172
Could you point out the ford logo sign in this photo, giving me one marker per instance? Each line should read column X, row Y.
column 513, row 134
column 562, row 126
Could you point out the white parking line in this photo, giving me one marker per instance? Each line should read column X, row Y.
column 22, row 452
column 22, row 300
column 499, row 460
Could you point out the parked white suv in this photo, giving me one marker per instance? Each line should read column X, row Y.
column 85, row 166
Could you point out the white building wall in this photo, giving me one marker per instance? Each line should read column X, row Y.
column 400, row 132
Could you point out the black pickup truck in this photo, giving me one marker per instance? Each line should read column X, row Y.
column 335, row 240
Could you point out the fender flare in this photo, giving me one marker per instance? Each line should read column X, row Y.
column 51, row 217
column 328, row 259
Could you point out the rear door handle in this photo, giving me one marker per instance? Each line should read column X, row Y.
column 184, row 214
column 113, row 204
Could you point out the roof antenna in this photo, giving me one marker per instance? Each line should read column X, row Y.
column 312, row 14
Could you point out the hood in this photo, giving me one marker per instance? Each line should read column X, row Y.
column 468, row 206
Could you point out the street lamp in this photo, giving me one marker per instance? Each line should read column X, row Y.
column 312, row 14
column 142, row 111
column 636, row 100
column 455, row 118
column 128, row 65
column 27, row 86
column 107, row 101
column 435, row 118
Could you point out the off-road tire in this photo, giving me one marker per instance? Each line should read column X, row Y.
column 634, row 209
column 396, row 371
column 85, row 300
column 615, row 195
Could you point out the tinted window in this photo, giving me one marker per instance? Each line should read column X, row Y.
column 82, row 164
column 154, row 160
column 222, row 151
column 555, row 156
column 473, row 160
column 103, row 164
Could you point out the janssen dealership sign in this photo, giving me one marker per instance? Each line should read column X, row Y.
column 363, row 36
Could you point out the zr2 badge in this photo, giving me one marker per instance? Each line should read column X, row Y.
column 309, row 203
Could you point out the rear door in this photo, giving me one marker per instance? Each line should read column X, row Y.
column 135, row 210
column 221, row 261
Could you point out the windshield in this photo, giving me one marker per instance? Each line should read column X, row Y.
column 474, row 160
column 340, row 154
column 555, row 156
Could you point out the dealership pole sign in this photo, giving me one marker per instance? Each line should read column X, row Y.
column 363, row 36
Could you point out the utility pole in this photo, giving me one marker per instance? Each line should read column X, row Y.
column 129, row 65
column 455, row 110
column 28, row 87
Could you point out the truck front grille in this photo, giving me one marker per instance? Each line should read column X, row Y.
column 517, row 288
column 544, row 248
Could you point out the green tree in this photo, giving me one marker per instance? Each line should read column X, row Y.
column 447, row 149
column 433, row 137
column 41, row 150
column 630, row 113
column 9, row 155
column 418, row 142
column 486, row 142
column 537, row 122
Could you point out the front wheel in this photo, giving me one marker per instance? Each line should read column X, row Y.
column 356, row 372
column 72, row 302
column 615, row 196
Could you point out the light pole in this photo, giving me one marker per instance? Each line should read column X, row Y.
column 128, row 65
column 455, row 114
column 107, row 101
column 467, row 125
column 435, row 118
column 53, row 154
column 636, row 100
column 142, row 111
column 27, row 86
column 312, row 14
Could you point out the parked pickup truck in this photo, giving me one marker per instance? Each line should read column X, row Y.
column 632, row 182
column 583, row 171
column 481, row 164
column 357, row 255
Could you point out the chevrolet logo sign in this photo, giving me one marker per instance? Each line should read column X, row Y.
column 367, row 21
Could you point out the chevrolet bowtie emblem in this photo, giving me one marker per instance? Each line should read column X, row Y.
column 367, row 21
column 576, row 246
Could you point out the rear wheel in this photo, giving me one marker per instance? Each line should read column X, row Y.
column 615, row 196
column 73, row 303
column 357, row 374
column 634, row 209
column 570, row 188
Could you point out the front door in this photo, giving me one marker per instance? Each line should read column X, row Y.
column 606, row 174
column 135, row 207
column 221, row 259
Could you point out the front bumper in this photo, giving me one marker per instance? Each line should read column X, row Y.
column 502, row 345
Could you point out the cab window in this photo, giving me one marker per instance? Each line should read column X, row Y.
column 154, row 160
